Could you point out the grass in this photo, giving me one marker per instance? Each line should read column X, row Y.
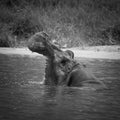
column 71, row 22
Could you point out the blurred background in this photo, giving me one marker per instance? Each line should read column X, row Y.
column 70, row 23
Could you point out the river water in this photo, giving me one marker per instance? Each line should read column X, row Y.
column 22, row 97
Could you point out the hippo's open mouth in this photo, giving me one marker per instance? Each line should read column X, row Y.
column 40, row 44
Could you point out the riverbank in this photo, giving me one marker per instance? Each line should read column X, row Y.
column 100, row 52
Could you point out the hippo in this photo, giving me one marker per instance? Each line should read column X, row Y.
column 61, row 68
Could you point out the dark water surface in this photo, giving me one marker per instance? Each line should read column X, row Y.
column 22, row 97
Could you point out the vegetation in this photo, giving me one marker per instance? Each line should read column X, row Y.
column 71, row 22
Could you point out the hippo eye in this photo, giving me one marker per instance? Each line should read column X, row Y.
column 63, row 62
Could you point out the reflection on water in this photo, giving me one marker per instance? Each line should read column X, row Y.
column 22, row 97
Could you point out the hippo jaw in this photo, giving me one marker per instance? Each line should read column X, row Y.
column 40, row 44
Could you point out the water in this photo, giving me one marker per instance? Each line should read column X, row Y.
column 22, row 97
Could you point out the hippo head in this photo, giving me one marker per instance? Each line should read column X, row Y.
column 59, row 63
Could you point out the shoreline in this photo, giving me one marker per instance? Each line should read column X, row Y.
column 86, row 53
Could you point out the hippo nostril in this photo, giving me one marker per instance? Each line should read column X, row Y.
column 68, row 69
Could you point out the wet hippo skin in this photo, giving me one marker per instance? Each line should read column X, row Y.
column 61, row 68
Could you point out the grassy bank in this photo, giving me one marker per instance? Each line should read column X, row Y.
column 71, row 22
